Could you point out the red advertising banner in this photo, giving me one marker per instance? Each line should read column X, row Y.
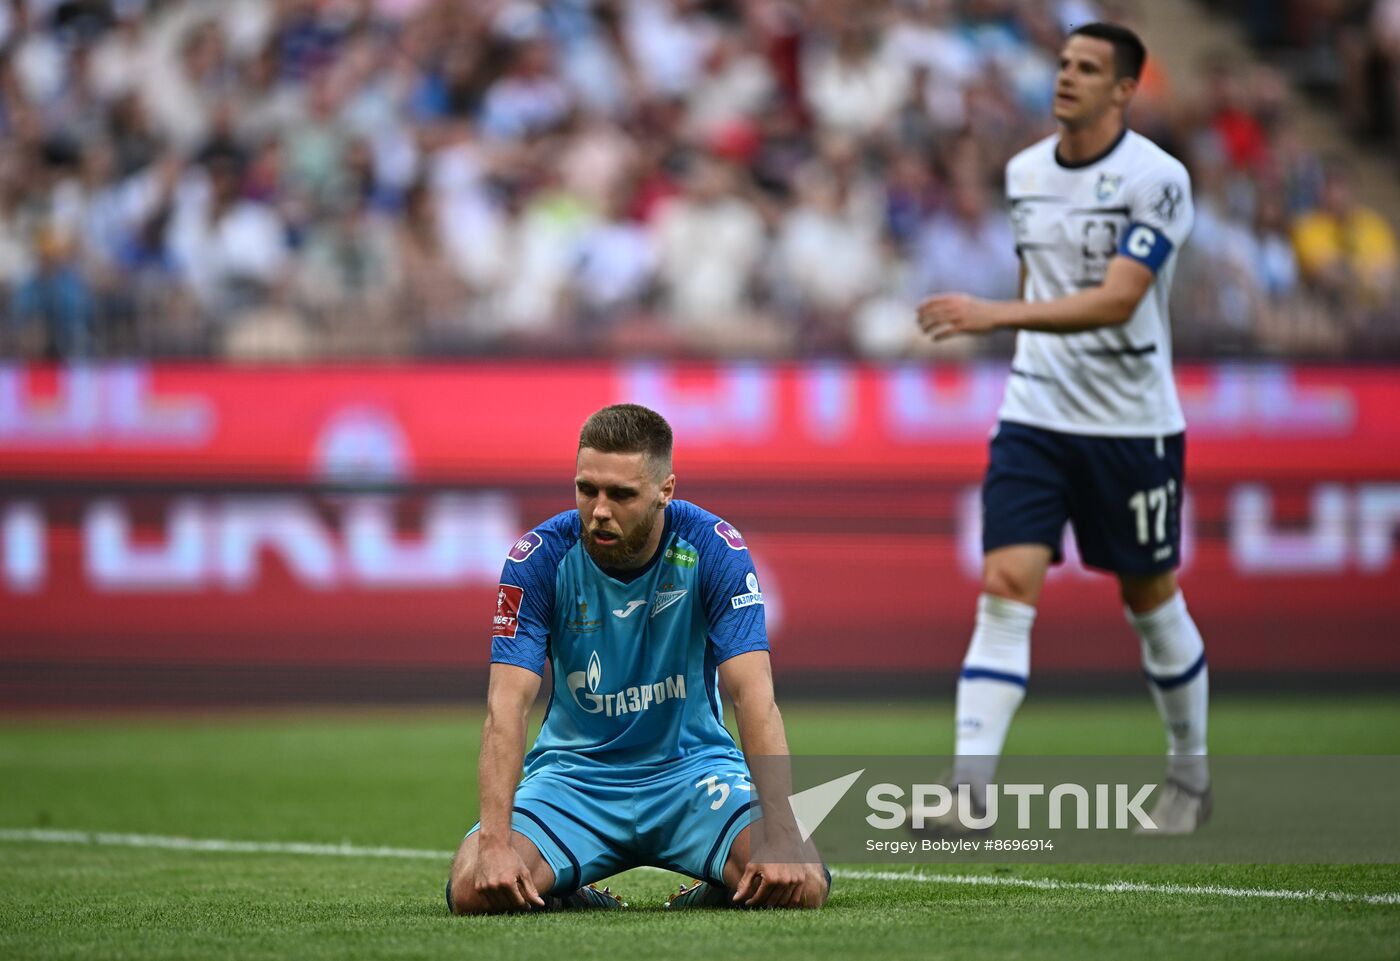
column 855, row 487
column 508, row 423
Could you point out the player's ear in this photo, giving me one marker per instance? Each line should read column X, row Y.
column 1123, row 90
column 668, row 490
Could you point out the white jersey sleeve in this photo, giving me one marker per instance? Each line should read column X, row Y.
column 1070, row 221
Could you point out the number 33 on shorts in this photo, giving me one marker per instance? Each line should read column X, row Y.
column 719, row 787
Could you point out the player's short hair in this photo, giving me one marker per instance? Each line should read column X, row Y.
column 629, row 429
column 1129, row 54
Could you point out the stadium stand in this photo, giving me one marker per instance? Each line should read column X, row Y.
column 301, row 179
column 1327, row 66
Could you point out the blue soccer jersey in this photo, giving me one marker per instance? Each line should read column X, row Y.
column 634, row 657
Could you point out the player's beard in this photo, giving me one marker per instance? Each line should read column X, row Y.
column 624, row 552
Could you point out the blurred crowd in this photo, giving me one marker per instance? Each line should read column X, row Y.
column 290, row 179
column 1346, row 49
column 1344, row 251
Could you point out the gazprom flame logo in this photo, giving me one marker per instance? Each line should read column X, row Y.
column 589, row 700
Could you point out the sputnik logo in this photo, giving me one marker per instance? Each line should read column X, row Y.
column 810, row 807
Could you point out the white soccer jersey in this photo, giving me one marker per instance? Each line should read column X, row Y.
column 1135, row 200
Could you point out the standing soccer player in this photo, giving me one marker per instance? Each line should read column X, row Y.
column 640, row 603
column 1091, row 431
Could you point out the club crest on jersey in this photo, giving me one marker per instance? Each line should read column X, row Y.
column 666, row 597
column 507, row 619
column 1107, row 186
column 731, row 536
column 525, row 547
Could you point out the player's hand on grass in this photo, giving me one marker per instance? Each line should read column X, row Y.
column 943, row 315
column 775, row 885
column 503, row 880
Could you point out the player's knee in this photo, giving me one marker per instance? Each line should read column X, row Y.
column 737, row 861
column 463, row 899
column 815, row 896
column 1143, row 594
column 1010, row 582
column 462, row 896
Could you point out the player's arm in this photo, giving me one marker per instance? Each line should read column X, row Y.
column 749, row 680
column 799, row 880
column 1109, row 304
column 502, row 877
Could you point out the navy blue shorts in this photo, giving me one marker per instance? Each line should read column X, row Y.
column 1121, row 494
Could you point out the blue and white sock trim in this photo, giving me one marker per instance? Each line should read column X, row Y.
column 1166, row 683
column 983, row 674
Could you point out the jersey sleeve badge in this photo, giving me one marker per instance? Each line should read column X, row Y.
column 525, row 547
column 731, row 536
column 507, row 619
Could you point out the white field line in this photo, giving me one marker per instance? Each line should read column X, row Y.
column 111, row 839
column 1121, row 887
column 108, row 839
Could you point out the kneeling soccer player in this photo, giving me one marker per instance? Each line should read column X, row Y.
column 641, row 603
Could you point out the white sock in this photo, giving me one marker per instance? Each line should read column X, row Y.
column 1173, row 657
column 993, row 682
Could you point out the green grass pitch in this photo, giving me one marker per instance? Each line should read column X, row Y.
column 406, row 780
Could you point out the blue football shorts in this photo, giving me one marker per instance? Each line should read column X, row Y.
column 1122, row 496
column 683, row 819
